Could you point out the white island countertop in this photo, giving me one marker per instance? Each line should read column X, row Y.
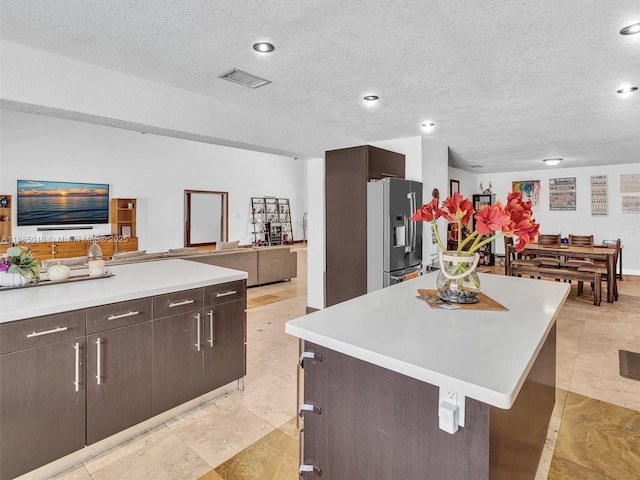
column 485, row 355
column 131, row 281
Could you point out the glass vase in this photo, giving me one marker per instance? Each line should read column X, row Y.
column 458, row 281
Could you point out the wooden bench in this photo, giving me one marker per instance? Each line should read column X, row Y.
column 562, row 274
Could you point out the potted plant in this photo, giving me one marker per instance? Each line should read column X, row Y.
column 18, row 267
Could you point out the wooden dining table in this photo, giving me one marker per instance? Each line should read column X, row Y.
column 605, row 254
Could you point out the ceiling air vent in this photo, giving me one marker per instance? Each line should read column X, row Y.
column 244, row 78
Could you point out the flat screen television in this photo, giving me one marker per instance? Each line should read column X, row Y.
column 62, row 203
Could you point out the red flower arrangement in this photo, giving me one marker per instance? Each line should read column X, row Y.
column 513, row 220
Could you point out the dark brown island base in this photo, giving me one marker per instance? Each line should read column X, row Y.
column 377, row 370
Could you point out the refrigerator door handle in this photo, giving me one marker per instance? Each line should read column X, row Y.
column 411, row 244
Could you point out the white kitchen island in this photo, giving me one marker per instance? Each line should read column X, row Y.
column 377, row 365
column 87, row 364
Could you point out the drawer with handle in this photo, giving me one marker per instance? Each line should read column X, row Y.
column 38, row 331
column 116, row 315
column 224, row 292
column 177, row 302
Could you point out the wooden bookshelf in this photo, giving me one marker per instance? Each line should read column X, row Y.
column 6, row 204
column 123, row 217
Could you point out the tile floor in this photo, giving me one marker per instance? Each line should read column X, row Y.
column 594, row 432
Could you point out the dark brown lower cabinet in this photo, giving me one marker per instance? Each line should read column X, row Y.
column 73, row 378
column 177, row 360
column 372, row 422
column 42, row 394
column 224, row 356
column 118, row 380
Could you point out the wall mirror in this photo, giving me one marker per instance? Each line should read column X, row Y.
column 206, row 217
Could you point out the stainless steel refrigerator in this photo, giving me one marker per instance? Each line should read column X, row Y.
column 394, row 242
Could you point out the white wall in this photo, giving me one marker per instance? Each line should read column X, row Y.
column 468, row 181
column 435, row 161
column 315, row 250
column 613, row 226
column 154, row 169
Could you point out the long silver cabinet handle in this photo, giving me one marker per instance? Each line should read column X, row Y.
column 224, row 294
column 314, row 355
column 47, row 332
column 123, row 315
column 98, row 369
column 211, row 340
column 179, row 304
column 310, row 468
column 76, row 382
column 198, row 330
column 307, row 407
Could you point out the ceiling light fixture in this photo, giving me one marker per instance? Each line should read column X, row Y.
column 627, row 90
column 428, row 126
column 263, row 47
column 552, row 161
column 371, row 98
column 630, row 29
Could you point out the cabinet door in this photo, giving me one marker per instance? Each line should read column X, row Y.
column 177, row 360
column 383, row 163
column 224, row 352
column 118, row 380
column 42, row 405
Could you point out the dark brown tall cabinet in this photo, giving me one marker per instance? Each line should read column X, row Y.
column 347, row 172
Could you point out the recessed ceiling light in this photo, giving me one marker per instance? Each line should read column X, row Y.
column 371, row 98
column 263, row 47
column 428, row 126
column 552, row 161
column 630, row 29
column 627, row 90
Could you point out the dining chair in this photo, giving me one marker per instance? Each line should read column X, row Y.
column 513, row 258
column 579, row 241
column 602, row 269
column 548, row 239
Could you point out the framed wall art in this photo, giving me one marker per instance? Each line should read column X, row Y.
column 562, row 194
column 530, row 191
column 599, row 192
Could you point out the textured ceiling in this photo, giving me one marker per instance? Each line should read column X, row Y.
column 507, row 83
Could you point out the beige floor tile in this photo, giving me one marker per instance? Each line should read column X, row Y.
column 79, row 472
column 275, row 403
column 220, row 430
column 167, row 459
column 257, row 378
column 597, row 375
column 135, row 444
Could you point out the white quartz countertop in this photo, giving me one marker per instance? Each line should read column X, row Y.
column 135, row 280
column 485, row 355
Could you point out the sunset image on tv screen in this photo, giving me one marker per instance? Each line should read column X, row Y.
column 62, row 203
